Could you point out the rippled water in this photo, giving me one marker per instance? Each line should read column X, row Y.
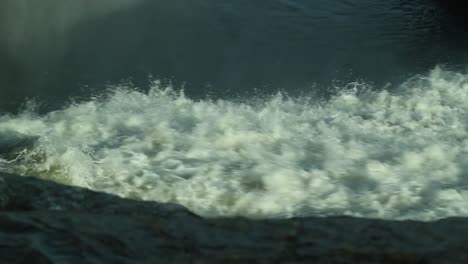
column 58, row 49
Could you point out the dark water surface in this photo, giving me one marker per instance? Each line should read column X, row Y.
column 60, row 49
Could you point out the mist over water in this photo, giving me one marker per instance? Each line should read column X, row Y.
column 252, row 108
column 35, row 40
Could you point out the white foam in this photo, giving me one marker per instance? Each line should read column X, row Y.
column 393, row 155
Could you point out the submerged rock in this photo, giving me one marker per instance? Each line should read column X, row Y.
column 44, row 222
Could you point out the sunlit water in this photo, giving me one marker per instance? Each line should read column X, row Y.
column 266, row 108
column 399, row 154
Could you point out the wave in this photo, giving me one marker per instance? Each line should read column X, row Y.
column 366, row 153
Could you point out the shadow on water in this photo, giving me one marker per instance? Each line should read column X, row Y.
column 226, row 49
column 11, row 75
column 455, row 8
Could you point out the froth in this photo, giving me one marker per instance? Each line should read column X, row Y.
column 393, row 155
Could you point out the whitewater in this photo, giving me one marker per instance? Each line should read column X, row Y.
column 392, row 153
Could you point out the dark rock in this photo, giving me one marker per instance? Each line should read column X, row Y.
column 44, row 222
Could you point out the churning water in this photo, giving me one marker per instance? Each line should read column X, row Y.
column 400, row 154
column 285, row 111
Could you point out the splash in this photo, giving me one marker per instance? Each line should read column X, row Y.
column 380, row 154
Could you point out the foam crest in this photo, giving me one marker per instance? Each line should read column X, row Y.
column 393, row 155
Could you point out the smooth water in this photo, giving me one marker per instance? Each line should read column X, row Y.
column 55, row 49
column 251, row 108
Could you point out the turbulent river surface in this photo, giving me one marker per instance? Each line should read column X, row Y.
column 268, row 108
